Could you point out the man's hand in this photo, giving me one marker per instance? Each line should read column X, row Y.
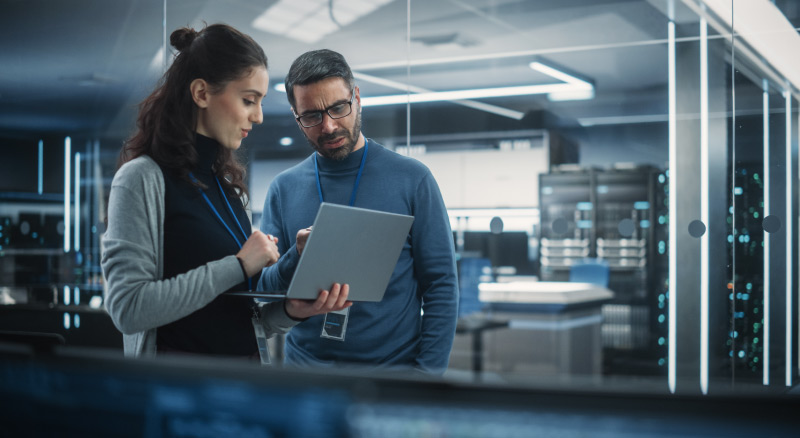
column 327, row 301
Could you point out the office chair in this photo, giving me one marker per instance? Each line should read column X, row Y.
column 590, row 270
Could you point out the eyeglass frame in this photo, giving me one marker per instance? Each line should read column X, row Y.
column 327, row 111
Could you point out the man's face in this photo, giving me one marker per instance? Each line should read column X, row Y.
column 332, row 138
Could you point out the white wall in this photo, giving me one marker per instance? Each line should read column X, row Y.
column 488, row 178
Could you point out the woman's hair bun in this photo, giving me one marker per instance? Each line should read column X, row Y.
column 182, row 38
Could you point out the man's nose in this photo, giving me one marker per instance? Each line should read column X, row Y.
column 328, row 123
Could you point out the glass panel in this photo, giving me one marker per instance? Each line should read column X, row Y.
column 68, row 91
column 552, row 134
column 576, row 164
column 761, row 344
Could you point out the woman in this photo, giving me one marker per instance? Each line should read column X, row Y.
column 178, row 235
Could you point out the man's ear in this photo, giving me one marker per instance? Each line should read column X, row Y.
column 200, row 92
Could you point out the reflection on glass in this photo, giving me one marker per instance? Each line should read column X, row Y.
column 566, row 111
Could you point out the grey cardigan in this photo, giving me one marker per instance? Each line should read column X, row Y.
column 137, row 296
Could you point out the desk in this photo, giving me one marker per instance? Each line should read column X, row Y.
column 537, row 327
column 474, row 326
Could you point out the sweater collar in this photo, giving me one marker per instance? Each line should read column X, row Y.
column 207, row 150
column 351, row 162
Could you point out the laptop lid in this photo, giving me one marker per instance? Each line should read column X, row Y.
column 348, row 245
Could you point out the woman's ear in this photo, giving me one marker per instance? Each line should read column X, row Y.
column 200, row 92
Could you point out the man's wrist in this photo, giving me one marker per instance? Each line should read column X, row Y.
column 286, row 310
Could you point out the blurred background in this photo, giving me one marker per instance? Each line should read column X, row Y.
column 621, row 175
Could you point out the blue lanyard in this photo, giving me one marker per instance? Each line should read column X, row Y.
column 358, row 177
column 216, row 213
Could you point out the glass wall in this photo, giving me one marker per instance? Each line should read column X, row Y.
column 620, row 176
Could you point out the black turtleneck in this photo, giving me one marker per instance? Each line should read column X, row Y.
column 194, row 236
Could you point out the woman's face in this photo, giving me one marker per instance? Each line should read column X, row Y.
column 228, row 115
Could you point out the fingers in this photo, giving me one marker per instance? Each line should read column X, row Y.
column 335, row 299
column 321, row 300
column 327, row 301
column 259, row 251
column 342, row 300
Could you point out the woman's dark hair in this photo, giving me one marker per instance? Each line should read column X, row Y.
column 314, row 66
column 167, row 118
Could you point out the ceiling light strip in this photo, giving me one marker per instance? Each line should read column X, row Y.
column 477, row 93
column 516, row 115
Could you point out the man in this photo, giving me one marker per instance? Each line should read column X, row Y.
column 349, row 169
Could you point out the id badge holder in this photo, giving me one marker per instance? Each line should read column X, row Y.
column 335, row 325
column 261, row 340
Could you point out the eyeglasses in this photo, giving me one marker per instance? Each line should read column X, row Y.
column 314, row 118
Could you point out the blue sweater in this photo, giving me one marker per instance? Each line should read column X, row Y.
column 391, row 334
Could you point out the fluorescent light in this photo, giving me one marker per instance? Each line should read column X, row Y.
column 280, row 86
column 627, row 120
column 583, row 90
column 505, row 112
column 41, row 167
column 286, row 141
column 789, row 221
column 67, row 201
column 704, row 209
column 673, row 214
column 77, row 201
column 558, row 74
column 767, row 236
column 571, row 84
column 571, row 95
column 477, row 93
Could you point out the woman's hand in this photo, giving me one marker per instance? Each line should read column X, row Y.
column 327, row 301
column 259, row 251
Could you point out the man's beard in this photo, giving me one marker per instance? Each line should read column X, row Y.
column 340, row 153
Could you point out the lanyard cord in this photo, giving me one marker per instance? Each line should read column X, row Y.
column 216, row 213
column 358, row 176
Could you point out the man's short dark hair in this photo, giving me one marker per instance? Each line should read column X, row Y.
column 314, row 66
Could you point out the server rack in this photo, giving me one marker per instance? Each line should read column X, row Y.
column 616, row 215
column 744, row 344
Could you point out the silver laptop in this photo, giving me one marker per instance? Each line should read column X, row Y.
column 348, row 245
